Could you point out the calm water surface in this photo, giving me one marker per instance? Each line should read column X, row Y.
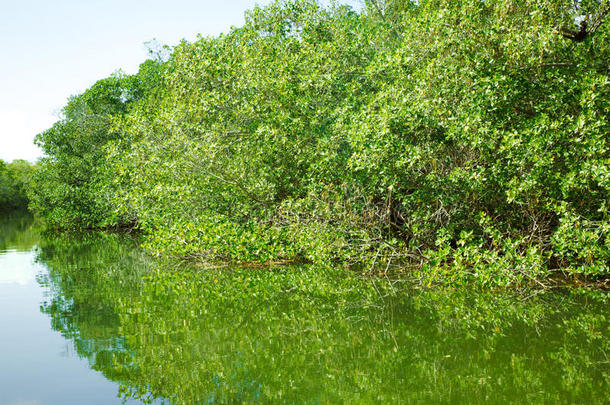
column 90, row 319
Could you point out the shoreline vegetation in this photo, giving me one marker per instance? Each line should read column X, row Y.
column 465, row 141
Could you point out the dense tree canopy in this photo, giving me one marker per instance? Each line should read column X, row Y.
column 467, row 138
column 71, row 187
column 14, row 180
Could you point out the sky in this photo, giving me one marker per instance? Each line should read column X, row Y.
column 52, row 49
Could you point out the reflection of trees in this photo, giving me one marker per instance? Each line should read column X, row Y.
column 307, row 335
column 16, row 231
column 88, row 273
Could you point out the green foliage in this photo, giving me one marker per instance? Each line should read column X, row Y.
column 14, row 180
column 72, row 189
column 68, row 189
column 469, row 139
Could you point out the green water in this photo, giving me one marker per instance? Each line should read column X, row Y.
column 90, row 318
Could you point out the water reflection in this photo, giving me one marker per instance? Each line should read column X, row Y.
column 37, row 365
column 17, row 232
column 306, row 335
column 165, row 333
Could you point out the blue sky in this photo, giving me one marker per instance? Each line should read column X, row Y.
column 52, row 49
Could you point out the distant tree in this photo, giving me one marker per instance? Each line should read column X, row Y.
column 14, row 181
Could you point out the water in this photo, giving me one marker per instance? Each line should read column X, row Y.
column 89, row 318
column 37, row 364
